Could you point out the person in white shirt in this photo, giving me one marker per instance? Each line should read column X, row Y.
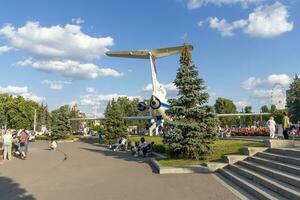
column 272, row 127
column 53, row 145
column 7, row 144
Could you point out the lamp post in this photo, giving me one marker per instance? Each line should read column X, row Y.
column 5, row 112
column 34, row 121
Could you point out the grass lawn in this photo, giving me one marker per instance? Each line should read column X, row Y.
column 156, row 140
column 221, row 147
column 44, row 137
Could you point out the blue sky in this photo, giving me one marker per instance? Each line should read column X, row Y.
column 53, row 51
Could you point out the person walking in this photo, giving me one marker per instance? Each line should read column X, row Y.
column 272, row 127
column 285, row 125
column 7, row 143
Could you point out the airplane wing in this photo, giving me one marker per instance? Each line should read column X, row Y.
column 144, row 54
column 159, row 53
column 243, row 114
column 103, row 118
column 138, row 118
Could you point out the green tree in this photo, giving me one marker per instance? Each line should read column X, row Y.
column 293, row 100
column 60, row 126
column 114, row 126
column 248, row 119
column 75, row 113
column 17, row 112
column 264, row 109
column 226, row 106
column 194, row 124
column 43, row 117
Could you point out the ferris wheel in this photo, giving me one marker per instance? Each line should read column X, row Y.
column 278, row 96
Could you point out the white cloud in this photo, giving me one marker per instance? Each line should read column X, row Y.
column 77, row 20
column 271, row 80
column 200, row 23
column 56, row 85
column 269, row 21
column 170, row 88
column 95, row 104
column 15, row 90
column 272, row 89
column 241, row 104
column 64, row 50
column 97, row 98
column 4, row 49
column 71, row 68
column 90, row 90
column 56, row 42
column 33, row 97
column 266, row 21
column 212, row 94
column 262, row 93
column 184, row 36
column 193, row 4
column 226, row 28
column 21, row 91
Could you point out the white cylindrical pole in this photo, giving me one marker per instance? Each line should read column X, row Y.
column 34, row 122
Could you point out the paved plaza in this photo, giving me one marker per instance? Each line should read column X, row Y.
column 82, row 170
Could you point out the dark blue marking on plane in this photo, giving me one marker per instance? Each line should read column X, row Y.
column 165, row 105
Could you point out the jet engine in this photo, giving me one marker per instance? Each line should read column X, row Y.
column 155, row 103
column 142, row 106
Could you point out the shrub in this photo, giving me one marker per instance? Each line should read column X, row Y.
column 41, row 137
column 159, row 148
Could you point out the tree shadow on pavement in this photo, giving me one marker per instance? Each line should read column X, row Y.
column 10, row 190
column 123, row 155
column 88, row 140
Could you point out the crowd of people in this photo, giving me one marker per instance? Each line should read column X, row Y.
column 15, row 144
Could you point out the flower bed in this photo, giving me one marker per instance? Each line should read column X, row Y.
column 262, row 131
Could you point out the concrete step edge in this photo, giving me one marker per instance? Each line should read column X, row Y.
column 285, row 151
column 272, row 173
column 266, row 182
column 291, row 169
column 249, row 186
column 281, row 158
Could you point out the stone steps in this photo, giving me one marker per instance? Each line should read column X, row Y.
column 252, row 188
column 286, row 152
column 272, row 174
column 292, row 169
column 281, row 158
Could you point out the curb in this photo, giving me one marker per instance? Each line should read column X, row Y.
column 68, row 141
column 100, row 145
column 179, row 170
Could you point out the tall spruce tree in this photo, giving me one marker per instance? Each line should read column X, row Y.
column 193, row 127
column 60, row 126
column 114, row 126
column 293, row 100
